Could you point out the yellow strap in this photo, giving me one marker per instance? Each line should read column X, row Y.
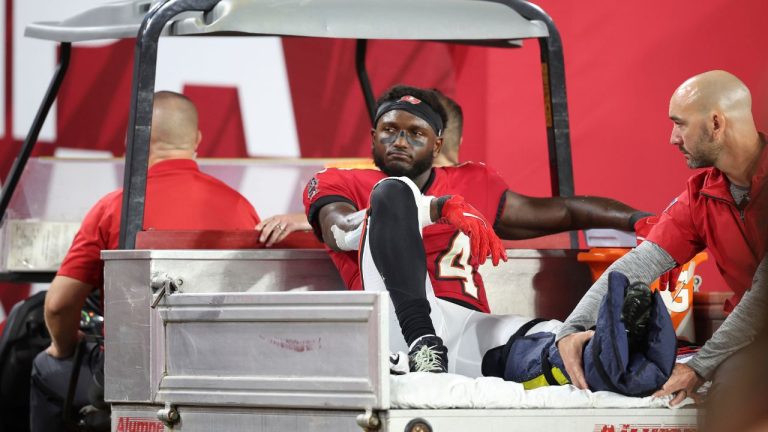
column 541, row 380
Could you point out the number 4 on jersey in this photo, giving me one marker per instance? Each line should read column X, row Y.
column 453, row 264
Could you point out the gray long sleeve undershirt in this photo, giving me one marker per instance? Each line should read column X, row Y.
column 739, row 329
column 647, row 262
column 642, row 264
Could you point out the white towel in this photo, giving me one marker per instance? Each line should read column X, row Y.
column 436, row 391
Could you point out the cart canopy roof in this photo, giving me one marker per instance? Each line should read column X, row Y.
column 470, row 21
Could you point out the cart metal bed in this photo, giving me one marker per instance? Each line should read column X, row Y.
column 199, row 341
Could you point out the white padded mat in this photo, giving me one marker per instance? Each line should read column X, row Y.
column 437, row 391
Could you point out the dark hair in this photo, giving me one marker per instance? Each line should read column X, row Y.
column 429, row 97
column 455, row 123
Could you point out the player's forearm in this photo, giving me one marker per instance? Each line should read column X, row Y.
column 643, row 264
column 342, row 230
column 523, row 233
column 527, row 217
column 739, row 329
column 597, row 212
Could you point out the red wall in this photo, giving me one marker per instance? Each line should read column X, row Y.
column 623, row 61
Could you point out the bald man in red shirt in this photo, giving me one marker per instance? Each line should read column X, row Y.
column 178, row 197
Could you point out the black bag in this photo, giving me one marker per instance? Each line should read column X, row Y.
column 23, row 337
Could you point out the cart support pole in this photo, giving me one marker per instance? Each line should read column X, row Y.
column 140, row 117
column 362, row 76
column 34, row 131
column 555, row 102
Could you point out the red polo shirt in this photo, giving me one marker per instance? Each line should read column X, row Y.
column 706, row 216
column 178, row 197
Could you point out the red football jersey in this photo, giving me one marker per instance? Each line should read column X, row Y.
column 446, row 248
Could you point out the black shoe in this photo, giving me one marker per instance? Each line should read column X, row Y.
column 635, row 314
column 428, row 355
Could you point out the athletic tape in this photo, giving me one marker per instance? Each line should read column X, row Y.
column 347, row 240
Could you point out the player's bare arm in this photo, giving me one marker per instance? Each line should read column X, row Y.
column 338, row 218
column 526, row 217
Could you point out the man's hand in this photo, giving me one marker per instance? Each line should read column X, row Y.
column 55, row 353
column 483, row 240
column 276, row 228
column 59, row 352
column 683, row 383
column 571, row 349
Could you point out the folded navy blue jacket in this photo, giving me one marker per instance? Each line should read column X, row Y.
column 534, row 360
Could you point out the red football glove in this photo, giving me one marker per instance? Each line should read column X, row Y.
column 643, row 227
column 668, row 281
column 482, row 239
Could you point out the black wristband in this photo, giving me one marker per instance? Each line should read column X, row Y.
column 636, row 216
column 440, row 203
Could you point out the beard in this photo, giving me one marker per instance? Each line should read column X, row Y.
column 706, row 151
column 694, row 162
column 396, row 170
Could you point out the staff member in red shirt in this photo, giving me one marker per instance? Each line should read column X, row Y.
column 178, row 197
column 723, row 208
